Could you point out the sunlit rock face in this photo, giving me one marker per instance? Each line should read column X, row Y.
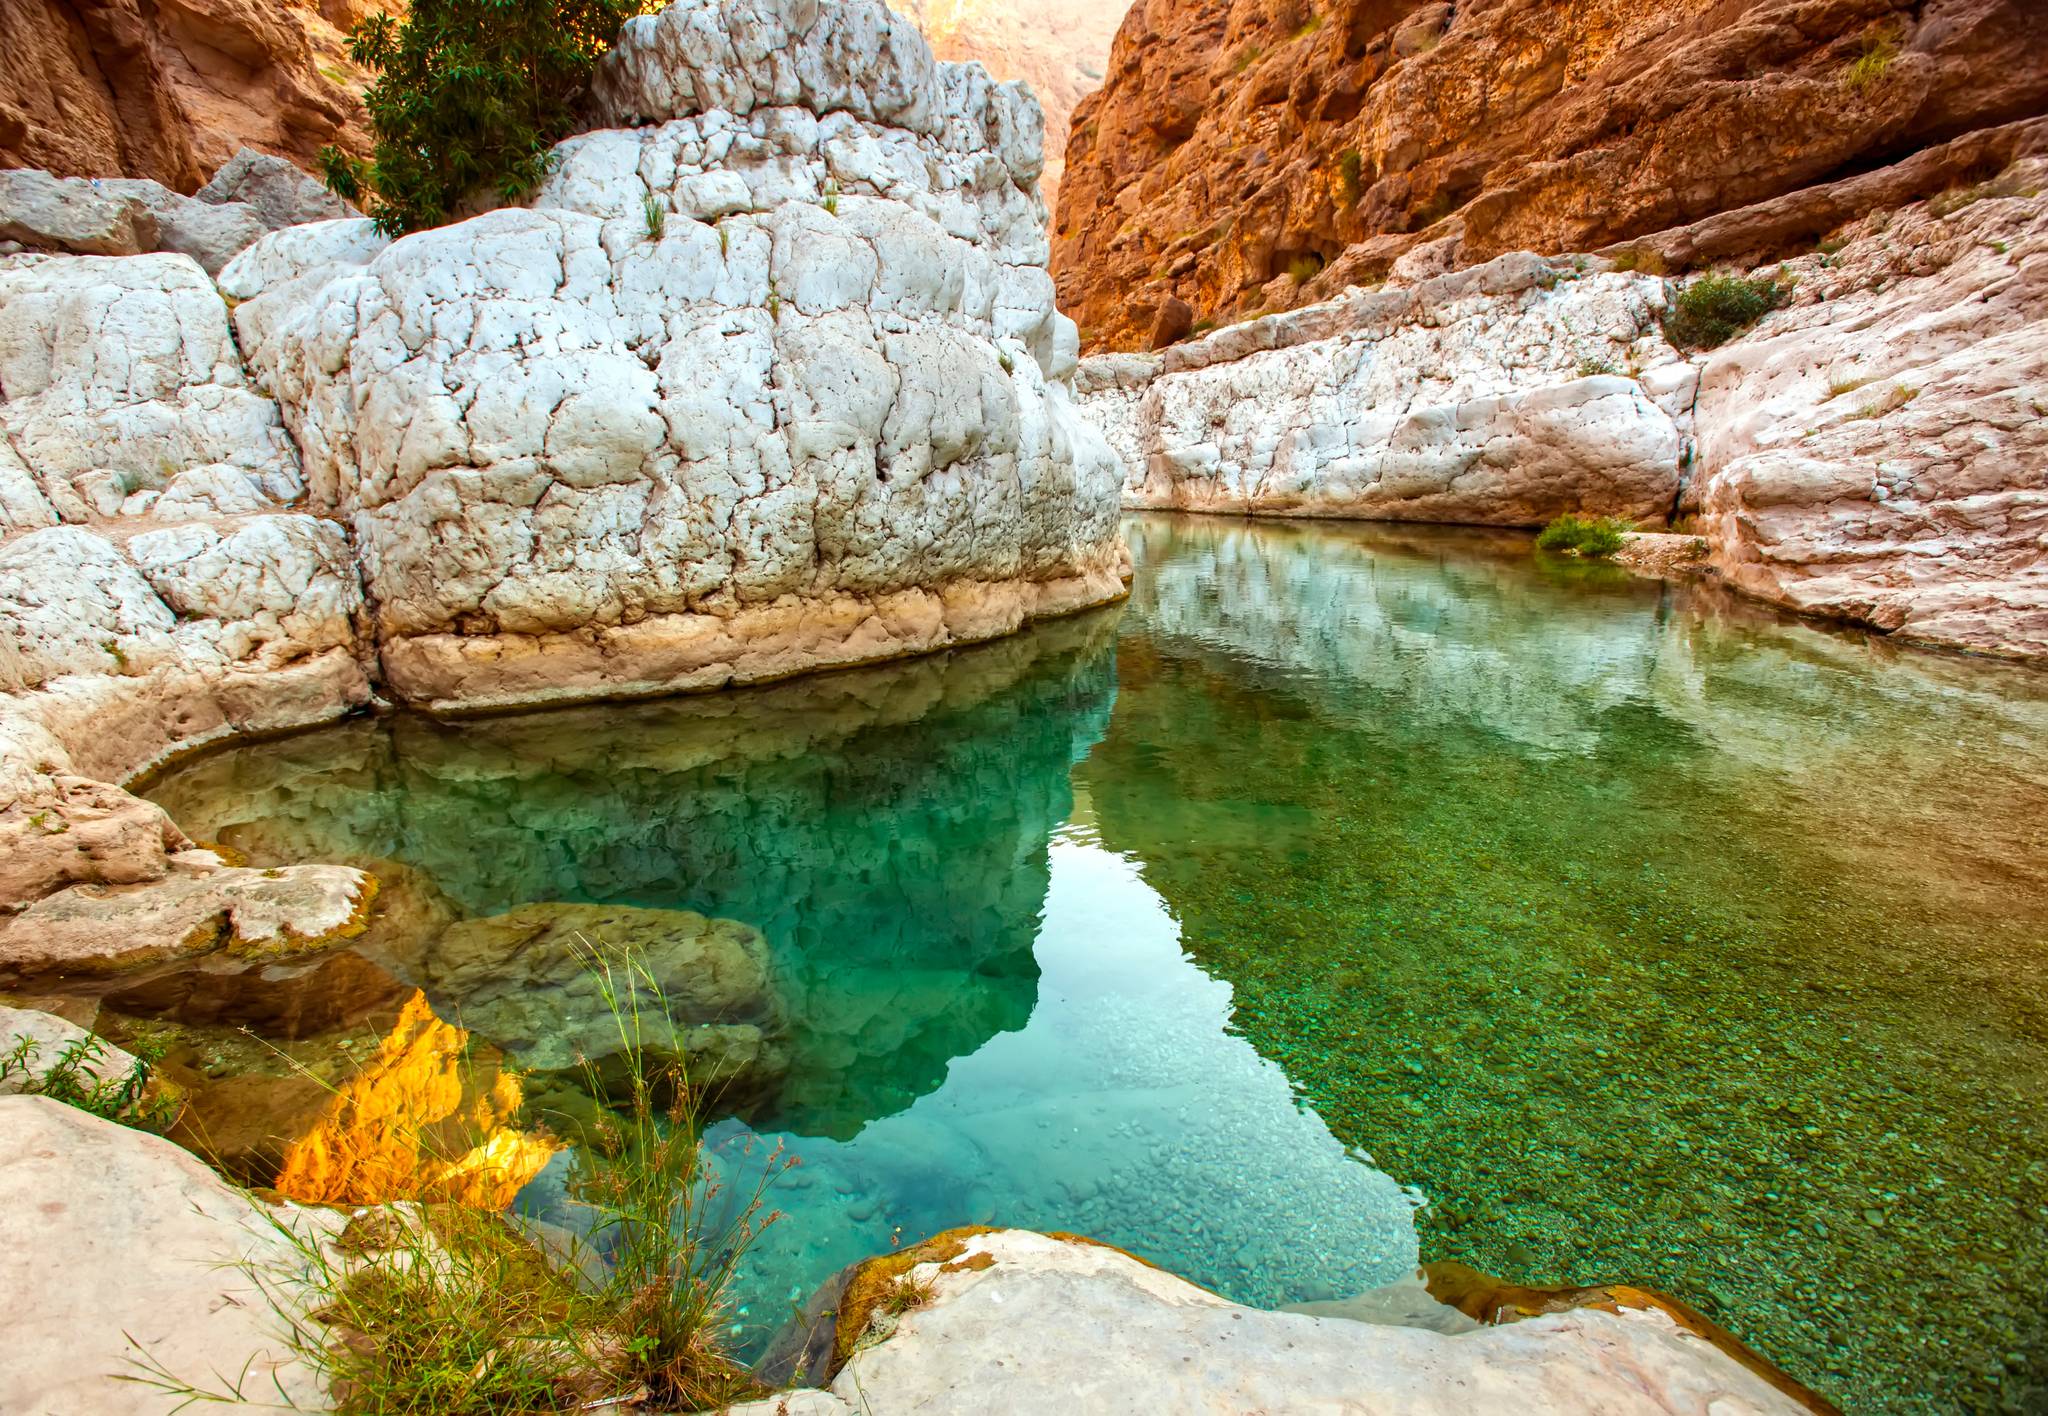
column 1503, row 395
column 929, row 789
column 772, row 384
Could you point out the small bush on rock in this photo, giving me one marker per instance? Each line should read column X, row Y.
column 470, row 96
column 1589, row 537
column 72, row 1077
column 1715, row 308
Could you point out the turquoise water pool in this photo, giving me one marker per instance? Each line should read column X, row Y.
column 1642, row 934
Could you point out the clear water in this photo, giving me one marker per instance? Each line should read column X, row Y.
column 1647, row 935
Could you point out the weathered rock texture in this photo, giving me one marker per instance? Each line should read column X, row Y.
column 1026, row 1322
column 773, row 384
column 122, row 88
column 1504, row 394
column 1873, row 451
column 1247, row 154
column 159, row 589
column 1878, row 451
column 1059, row 47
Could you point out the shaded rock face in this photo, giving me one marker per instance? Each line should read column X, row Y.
column 1247, row 154
column 1027, row 1322
column 171, row 92
column 1501, row 395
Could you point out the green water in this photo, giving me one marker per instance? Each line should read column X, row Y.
column 1645, row 935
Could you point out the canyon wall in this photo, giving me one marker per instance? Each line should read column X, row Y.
column 123, row 88
column 1872, row 451
column 1059, row 47
column 1250, row 155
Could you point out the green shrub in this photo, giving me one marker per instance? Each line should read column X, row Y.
column 1871, row 63
column 1304, row 268
column 1592, row 365
column 72, row 1078
column 656, row 213
column 470, row 97
column 1590, row 537
column 1714, row 309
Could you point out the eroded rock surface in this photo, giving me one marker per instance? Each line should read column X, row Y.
column 772, row 385
column 1878, row 451
column 1871, row 451
column 126, row 89
column 1503, row 395
column 1263, row 154
column 1018, row 1321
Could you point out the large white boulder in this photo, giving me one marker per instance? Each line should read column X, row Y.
column 124, row 1260
column 1015, row 1321
column 1500, row 395
column 772, row 385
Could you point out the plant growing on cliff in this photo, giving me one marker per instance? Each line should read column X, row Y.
column 1588, row 537
column 1872, row 62
column 656, row 215
column 1351, row 171
column 470, row 97
column 1712, row 310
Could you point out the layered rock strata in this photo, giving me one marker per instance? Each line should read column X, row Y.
column 1871, row 451
column 1502, row 395
column 1245, row 155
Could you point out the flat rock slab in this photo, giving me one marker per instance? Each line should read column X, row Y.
column 119, row 1250
column 195, row 910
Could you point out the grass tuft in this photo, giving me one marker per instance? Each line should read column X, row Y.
column 445, row 1310
column 656, row 214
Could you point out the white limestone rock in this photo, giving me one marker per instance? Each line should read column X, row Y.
column 1024, row 1322
column 118, row 1249
column 1878, row 451
column 157, row 589
column 1501, row 395
column 119, row 376
column 811, row 412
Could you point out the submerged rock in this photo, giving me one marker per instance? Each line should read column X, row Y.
column 534, row 980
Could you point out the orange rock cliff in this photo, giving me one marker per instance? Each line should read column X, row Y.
column 170, row 91
column 1248, row 155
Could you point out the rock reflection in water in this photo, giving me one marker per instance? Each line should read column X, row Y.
column 896, row 874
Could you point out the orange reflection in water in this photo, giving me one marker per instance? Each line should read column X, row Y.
column 426, row 1117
